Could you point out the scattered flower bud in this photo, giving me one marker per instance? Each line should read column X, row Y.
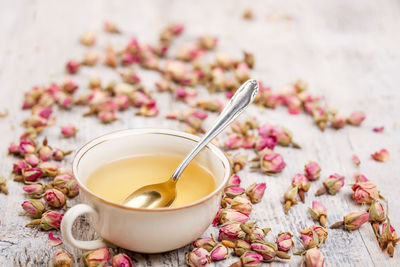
column 55, row 198
column 50, row 220
column 58, row 154
column 248, row 14
column 98, row 257
column 213, row 105
column 356, row 160
column 314, row 258
column 284, row 241
column 208, row 243
column 382, row 155
column 338, row 122
column 232, row 215
column 254, row 233
column 49, row 168
column 234, row 180
column 317, row 235
column 72, row 66
column 378, row 129
column 32, row 159
column 110, row 27
column 26, row 147
column 198, row 257
column 271, row 162
column 121, row 260
column 32, row 174
column 255, row 192
column 268, row 141
column 290, row 198
column 376, row 212
column 69, row 86
column 331, row 185
column 318, row 212
column 233, row 191
column 45, row 153
column 13, row 148
column 364, row 192
column 19, row 166
column 88, row 38
column 241, row 247
column 63, row 258
column 312, row 171
column 234, row 141
column 242, row 205
column 220, row 252
column 352, row 221
column 388, row 238
column 358, row 177
column 3, row 186
column 68, row 131
column 90, row 58
column 34, row 190
column 33, row 208
column 251, row 259
column 54, row 241
column 356, row 118
column 207, row 42
column 231, row 231
column 302, row 183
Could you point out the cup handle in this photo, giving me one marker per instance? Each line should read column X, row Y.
column 66, row 228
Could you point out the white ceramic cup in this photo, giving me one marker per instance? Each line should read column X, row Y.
column 143, row 230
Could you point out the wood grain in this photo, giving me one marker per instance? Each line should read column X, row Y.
column 346, row 51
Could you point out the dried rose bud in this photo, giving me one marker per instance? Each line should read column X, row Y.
column 220, row 252
column 110, row 57
column 63, row 258
column 3, row 186
column 312, row 170
column 388, row 238
column 34, row 190
column 213, row 105
column 382, row 155
column 122, row 101
column 284, row 241
column 356, row 160
column 331, row 185
column 358, row 177
column 318, row 212
column 32, row 174
column 13, row 148
column 376, row 212
column 378, row 129
column 256, row 191
column 302, row 183
column 19, row 166
column 233, row 191
column 314, row 258
column 26, row 147
column 248, row 59
column 352, row 221
column 242, row 72
column 121, row 260
column 254, row 233
column 45, row 153
column 338, row 122
column 231, row 231
column 90, row 58
column 290, row 198
column 98, row 257
column 68, row 131
column 50, row 220
column 314, row 235
column 251, row 259
column 33, row 208
column 234, row 180
column 266, row 249
column 198, row 257
column 232, row 215
column 55, row 198
column 248, row 14
column 242, row 204
column 356, row 118
column 268, row 141
column 239, row 246
column 271, row 162
column 60, row 182
column 49, row 168
column 364, row 192
column 88, row 38
column 207, row 42
column 73, row 66
column 110, row 27
column 208, row 243
column 234, row 141
column 44, row 112
column 69, row 86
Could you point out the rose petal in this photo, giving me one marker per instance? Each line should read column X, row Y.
column 54, row 241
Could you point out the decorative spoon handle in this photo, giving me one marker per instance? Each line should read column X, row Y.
column 242, row 98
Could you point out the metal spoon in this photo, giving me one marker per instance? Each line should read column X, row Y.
column 163, row 194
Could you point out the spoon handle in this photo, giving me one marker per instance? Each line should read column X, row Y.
column 242, row 98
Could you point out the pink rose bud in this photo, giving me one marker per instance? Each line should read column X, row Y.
column 208, row 243
column 44, row 112
column 256, row 191
column 312, row 170
column 284, row 241
column 32, row 174
column 49, row 168
column 32, row 159
column 382, row 155
column 233, row 191
column 232, row 215
column 358, row 177
column 217, row 218
column 354, row 220
column 26, row 147
column 60, row 182
column 220, row 252
column 98, row 257
column 34, row 190
column 110, row 27
column 63, row 258
column 58, row 155
column 318, row 212
column 207, row 42
column 234, row 180
column 13, row 148
column 242, row 205
column 302, row 183
column 376, row 212
column 388, row 238
column 19, row 166
column 251, row 259
column 356, row 160
column 314, row 258
column 69, row 86
column 45, row 153
column 123, row 102
column 51, row 220
column 55, row 198
column 378, row 129
column 121, row 260
column 234, row 141
column 254, row 233
column 231, row 231
column 364, row 192
column 198, row 257
column 240, row 247
column 33, row 208
column 332, row 185
column 88, row 38
column 338, row 122
column 73, row 66
column 356, row 118
column 268, row 141
column 290, row 198
column 272, row 162
column 318, row 235
column 68, row 131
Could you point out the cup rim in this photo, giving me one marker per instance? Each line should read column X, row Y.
column 119, row 133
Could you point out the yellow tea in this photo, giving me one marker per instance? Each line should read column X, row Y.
column 116, row 180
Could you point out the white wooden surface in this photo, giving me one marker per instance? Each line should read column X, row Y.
column 346, row 50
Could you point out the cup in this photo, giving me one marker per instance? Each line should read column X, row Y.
column 143, row 230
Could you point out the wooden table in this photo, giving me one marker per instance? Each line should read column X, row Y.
column 348, row 52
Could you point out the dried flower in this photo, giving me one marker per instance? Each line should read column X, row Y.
column 356, row 118
column 238, row 162
column 271, row 162
column 73, row 66
column 267, row 141
column 318, row 212
column 376, row 212
column 26, row 147
column 19, row 166
column 32, row 174
column 312, row 170
column 33, row 208
column 233, row 191
column 227, row 215
column 234, row 141
column 231, row 231
column 338, row 122
column 34, row 190
column 98, row 257
column 69, row 86
column 68, row 131
column 290, row 198
column 58, row 154
column 242, row 205
column 331, row 185
column 55, row 198
column 90, row 58
column 382, row 155
column 88, row 38
column 198, row 257
column 208, row 243
column 356, row 160
column 251, row 259
column 45, row 153
column 220, row 252
column 316, row 236
column 121, row 260
column 254, row 233
column 13, row 148
column 3, row 186
column 50, row 220
column 388, row 239
column 358, row 177
column 248, row 14
column 302, row 183
column 63, row 258
column 364, row 192
column 48, row 168
column 352, row 221
column 378, row 129
column 255, row 192
column 314, row 258
column 234, row 180
column 54, row 241
column 239, row 246
column 110, row 27
column 284, row 241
